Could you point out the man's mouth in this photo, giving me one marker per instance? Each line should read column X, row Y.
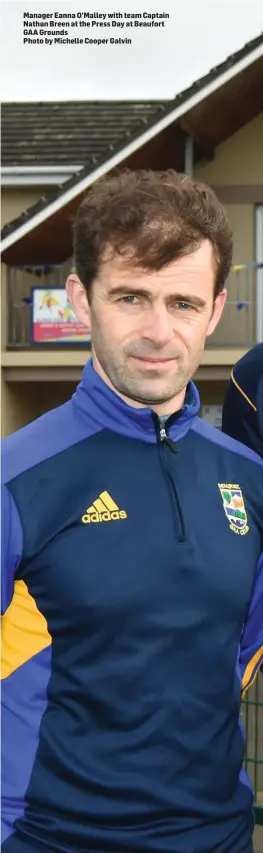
column 155, row 361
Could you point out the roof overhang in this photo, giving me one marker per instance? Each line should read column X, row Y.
column 35, row 239
column 36, row 176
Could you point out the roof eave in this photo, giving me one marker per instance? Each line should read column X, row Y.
column 82, row 183
column 36, row 176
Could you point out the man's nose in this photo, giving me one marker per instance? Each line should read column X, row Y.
column 158, row 327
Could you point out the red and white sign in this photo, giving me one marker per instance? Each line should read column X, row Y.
column 53, row 319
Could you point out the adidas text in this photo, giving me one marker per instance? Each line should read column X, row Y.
column 103, row 516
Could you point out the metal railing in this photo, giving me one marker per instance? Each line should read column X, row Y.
column 237, row 327
column 20, row 281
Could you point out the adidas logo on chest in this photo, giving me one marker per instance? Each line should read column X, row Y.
column 104, row 508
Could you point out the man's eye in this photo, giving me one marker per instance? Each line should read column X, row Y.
column 128, row 299
column 183, row 305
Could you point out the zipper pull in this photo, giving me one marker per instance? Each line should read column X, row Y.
column 164, row 438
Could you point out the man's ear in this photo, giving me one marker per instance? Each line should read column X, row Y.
column 78, row 299
column 219, row 305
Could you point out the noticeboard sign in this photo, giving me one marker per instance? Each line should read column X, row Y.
column 53, row 320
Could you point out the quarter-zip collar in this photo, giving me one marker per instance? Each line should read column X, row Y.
column 97, row 402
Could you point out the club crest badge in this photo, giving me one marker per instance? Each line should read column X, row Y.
column 233, row 503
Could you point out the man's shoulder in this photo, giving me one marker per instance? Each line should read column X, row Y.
column 249, row 369
column 225, row 442
column 253, row 356
column 40, row 440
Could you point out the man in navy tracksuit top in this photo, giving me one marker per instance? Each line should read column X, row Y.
column 132, row 570
column 243, row 404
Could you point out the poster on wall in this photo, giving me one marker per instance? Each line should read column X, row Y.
column 53, row 320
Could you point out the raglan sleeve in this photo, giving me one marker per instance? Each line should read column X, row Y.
column 11, row 546
column 251, row 647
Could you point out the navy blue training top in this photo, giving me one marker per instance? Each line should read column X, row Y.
column 243, row 405
column 132, row 597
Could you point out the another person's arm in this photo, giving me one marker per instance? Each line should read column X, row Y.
column 251, row 648
column 242, row 416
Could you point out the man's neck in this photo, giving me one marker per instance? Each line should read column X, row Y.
column 169, row 407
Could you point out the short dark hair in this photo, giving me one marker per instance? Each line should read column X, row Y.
column 151, row 218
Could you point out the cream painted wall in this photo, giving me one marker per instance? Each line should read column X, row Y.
column 17, row 199
column 242, row 219
column 239, row 160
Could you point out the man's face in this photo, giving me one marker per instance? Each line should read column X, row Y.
column 149, row 329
